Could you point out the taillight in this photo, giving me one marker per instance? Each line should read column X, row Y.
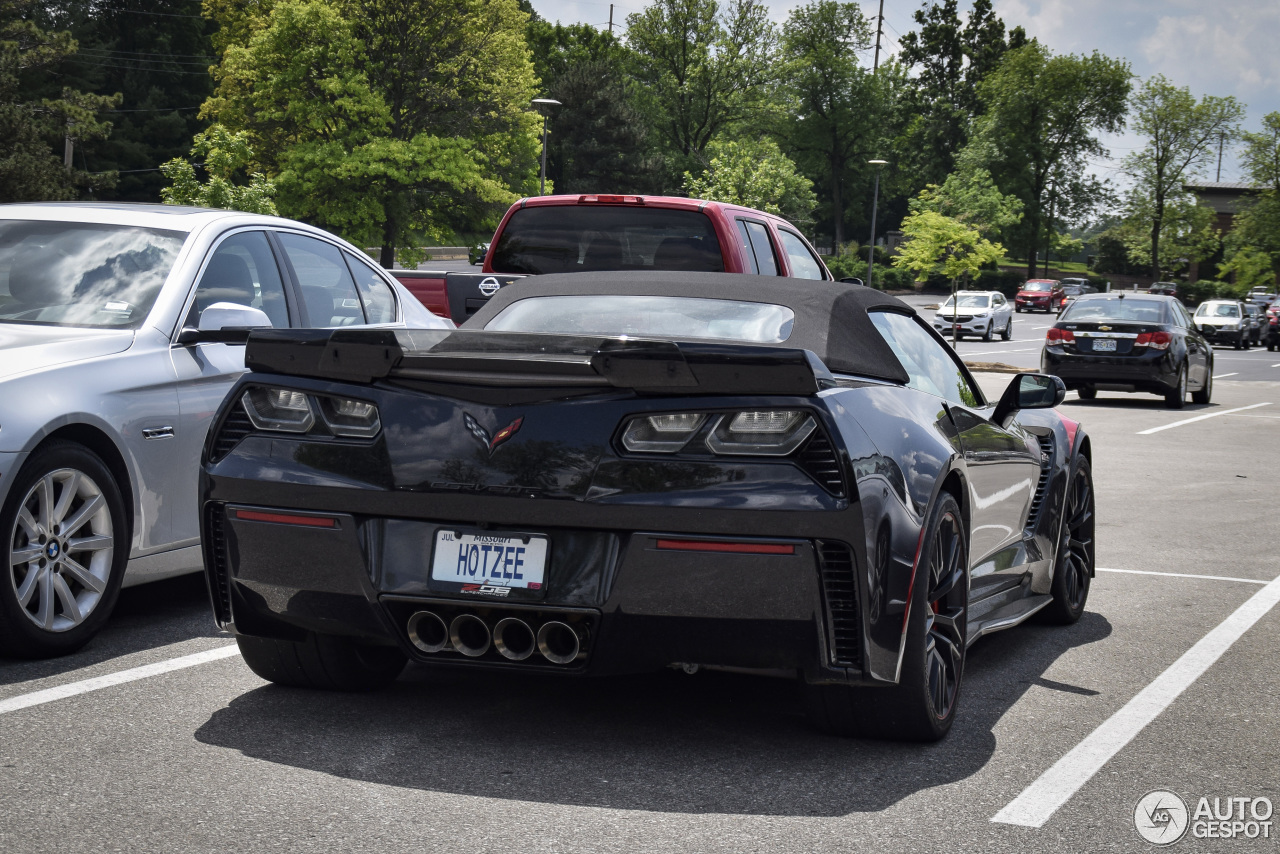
column 1059, row 336
column 1154, row 340
column 610, row 200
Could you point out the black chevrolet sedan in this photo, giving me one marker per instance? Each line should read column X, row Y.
column 609, row 473
column 1129, row 342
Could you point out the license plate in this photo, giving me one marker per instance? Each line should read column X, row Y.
column 490, row 559
column 1104, row 345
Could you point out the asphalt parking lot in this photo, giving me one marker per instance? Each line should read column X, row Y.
column 156, row 737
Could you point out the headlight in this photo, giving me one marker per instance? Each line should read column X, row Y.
column 278, row 409
column 771, row 432
column 1231, row 327
column 667, row 433
column 346, row 417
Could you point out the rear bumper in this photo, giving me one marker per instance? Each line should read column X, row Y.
column 635, row 606
column 1150, row 372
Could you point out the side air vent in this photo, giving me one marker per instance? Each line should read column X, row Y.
column 1046, row 466
column 234, row 428
column 819, row 460
column 840, row 587
column 216, row 568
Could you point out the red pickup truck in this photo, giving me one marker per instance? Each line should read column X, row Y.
column 592, row 233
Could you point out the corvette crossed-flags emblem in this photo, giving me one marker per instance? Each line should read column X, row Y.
column 490, row 443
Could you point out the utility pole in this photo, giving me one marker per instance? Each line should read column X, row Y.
column 1222, row 137
column 68, row 147
column 879, row 29
column 610, row 19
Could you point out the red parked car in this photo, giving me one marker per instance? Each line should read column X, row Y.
column 1039, row 294
column 596, row 232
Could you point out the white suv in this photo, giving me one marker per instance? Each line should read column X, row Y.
column 982, row 313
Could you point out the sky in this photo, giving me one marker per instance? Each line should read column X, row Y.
column 1213, row 47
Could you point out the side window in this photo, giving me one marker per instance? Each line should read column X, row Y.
column 328, row 291
column 803, row 264
column 1180, row 315
column 998, row 299
column 930, row 367
column 375, row 293
column 766, row 264
column 242, row 271
column 746, row 247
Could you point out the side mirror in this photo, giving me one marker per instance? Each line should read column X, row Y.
column 225, row 323
column 1030, row 391
column 852, row 280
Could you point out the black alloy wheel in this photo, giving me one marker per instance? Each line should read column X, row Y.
column 1073, row 564
column 1176, row 397
column 1087, row 392
column 922, row 706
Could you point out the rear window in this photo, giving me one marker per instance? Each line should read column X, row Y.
column 582, row 238
column 648, row 317
column 1130, row 310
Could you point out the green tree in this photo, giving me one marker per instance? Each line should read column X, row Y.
column 1256, row 228
column 1261, row 155
column 1249, row 267
column 224, row 155
column 1042, row 114
column 831, row 96
column 934, row 243
column 1180, row 134
column 700, row 68
column 1188, row 231
column 950, row 56
column 755, row 174
column 971, row 197
column 32, row 128
column 387, row 122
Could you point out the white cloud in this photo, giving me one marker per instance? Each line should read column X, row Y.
column 1232, row 52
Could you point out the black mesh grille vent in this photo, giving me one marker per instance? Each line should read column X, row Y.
column 216, row 559
column 819, row 460
column 234, row 428
column 844, row 620
column 1046, row 466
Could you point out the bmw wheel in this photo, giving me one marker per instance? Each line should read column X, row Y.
column 66, row 545
column 922, row 706
column 1074, row 561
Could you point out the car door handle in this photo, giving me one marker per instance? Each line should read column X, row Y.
column 165, row 432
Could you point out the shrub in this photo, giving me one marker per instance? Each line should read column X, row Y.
column 1006, row 282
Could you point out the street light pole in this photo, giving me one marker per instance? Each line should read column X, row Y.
column 875, row 200
column 544, row 102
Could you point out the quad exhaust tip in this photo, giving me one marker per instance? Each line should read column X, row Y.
column 558, row 642
column 469, row 635
column 428, row 632
column 514, row 639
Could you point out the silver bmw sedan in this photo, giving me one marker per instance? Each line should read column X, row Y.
column 118, row 339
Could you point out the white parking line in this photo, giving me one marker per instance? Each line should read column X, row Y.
column 97, row 683
column 1221, row 376
column 1182, row 575
column 1201, row 418
column 989, row 352
column 1039, row 801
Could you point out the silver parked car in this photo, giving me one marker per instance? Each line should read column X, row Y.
column 118, row 340
column 975, row 313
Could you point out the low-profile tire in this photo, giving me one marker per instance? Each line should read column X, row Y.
column 1073, row 563
column 1176, row 397
column 922, row 706
column 1007, row 332
column 322, row 661
column 66, row 516
column 1087, row 392
column 1205, row 394
column 986, row 336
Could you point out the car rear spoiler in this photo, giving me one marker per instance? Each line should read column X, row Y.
column 518, row 359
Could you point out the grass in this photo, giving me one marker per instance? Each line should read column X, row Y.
column 1060, row 266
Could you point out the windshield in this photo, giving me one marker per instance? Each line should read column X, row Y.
column 648, row 317
column 1222, row 309
column 82, row 274
column 581, row 238
column 1037, row 286
column 970, row 301
column 1125, row 310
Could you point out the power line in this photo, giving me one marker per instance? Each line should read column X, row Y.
column 149, row 53
column 150, row 110
column 93, row 54
column 160, row 14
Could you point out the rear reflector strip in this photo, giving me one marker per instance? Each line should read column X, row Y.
column 286, row 519
column 727, row 548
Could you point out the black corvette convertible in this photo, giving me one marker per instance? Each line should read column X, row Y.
column 615, row 472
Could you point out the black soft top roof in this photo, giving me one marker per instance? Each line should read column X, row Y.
column 830, row 317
